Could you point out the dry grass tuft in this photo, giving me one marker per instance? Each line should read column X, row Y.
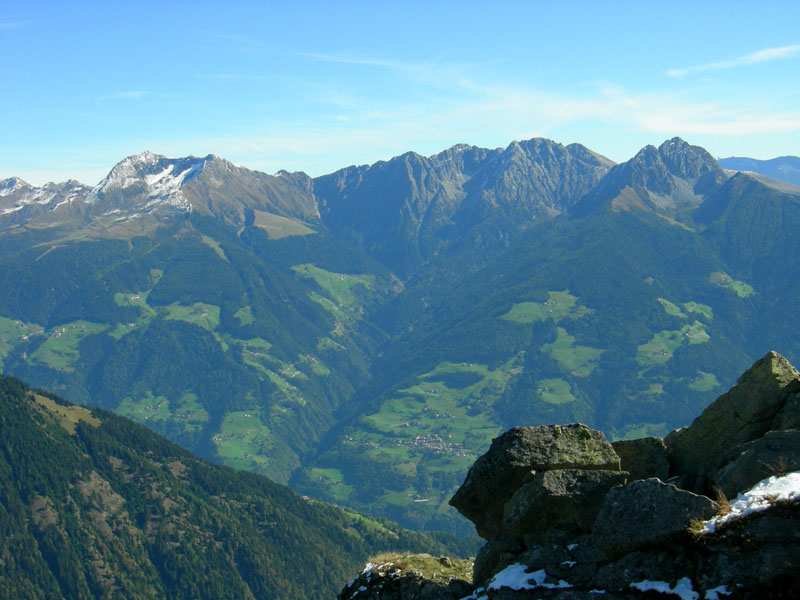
column 723, row 504
column 780, row 467
column 696, row 528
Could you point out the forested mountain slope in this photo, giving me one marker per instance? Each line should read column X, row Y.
column 94, row 505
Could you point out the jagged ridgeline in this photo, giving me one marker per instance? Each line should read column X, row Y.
column 94, row 505
column 364, row 335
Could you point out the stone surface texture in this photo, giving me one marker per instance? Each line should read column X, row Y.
column 646, row 513
column 515, row 456
column 643, row 458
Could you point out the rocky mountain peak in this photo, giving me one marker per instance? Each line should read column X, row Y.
column 461, row 147
column 11, row 185
column 146, row 183
column 21, row 201
column 685, row 160
column 153, row 171
column 585, row 154
column 648, row 155
column 671, row 180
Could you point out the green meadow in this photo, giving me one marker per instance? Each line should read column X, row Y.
column 243, row 440
column 199, row 313
column 333, row 481
column 146, row 312
column 554, row 391
column 150, row 409
column 664, row 343
column 696, row 307
column 245, row 315
column 13, row 333
column 278, row 227
column 742, row 289
column 60, row 350
column 579, row 360
column 704, row 382
column 559, row 305
column 640, row 430
column 671, row 309
column 338, row 286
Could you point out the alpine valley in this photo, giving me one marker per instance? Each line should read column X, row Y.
column 362, row 336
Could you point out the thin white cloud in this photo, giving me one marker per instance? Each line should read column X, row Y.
column 12, row 24
column 490, row 116
column 354, row 60
column 360, row 123
column 759, row 56
column 434, row 71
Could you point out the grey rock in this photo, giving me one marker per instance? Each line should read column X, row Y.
column 494, row 556
column 638, row 566
column 512, row 460
column 789, row 416
column 645, row 513
column 774, row 453
column 764, row 570
column 575, row 562
column 744, row 413
column 561, row 502
column 392, row 584
column 643, row 458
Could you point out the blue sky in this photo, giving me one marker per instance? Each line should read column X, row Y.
column 316, row 86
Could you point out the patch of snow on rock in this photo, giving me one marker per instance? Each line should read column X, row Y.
column 683, row 588
column 515, row 577
column 713, row 594
column 760, row 497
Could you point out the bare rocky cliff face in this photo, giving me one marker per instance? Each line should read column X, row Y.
column 426, row 204
column 568, row 515
column 671, row 180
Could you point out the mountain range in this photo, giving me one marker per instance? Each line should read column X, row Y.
column 784, row 168
column 365, row 334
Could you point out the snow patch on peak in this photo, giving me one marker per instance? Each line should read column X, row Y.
column 11, row 185
column 150, row 181
column 146, row 158
column 167, row 181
